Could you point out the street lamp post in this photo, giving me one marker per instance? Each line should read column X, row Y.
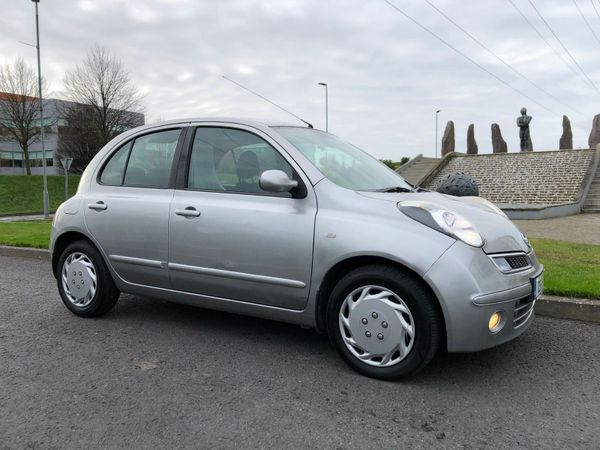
column 39, row 65
column 326, row 106
column 436, row 131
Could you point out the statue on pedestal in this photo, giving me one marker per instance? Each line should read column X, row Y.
column 523, row 123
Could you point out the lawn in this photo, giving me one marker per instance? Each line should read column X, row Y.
column 25, row 234
column 23, row 194
column 572, row 270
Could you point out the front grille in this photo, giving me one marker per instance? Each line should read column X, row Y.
column 517, row 261
column 511, row 262
column 523, row 310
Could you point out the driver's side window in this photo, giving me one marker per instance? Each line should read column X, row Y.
column 226, row 159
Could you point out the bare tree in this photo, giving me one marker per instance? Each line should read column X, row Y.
column 105, row 103
column 77, row 137
column 19, row 106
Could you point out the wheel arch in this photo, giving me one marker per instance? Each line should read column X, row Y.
column 63, row 241
column 345, row 266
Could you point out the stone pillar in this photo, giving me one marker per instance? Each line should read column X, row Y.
column 498, row 144
column 595, row 134
column 566, row 140
column 471, row 142
column 448, row 139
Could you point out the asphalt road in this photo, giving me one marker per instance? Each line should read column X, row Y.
column 154, row 374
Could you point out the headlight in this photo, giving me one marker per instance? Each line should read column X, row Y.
column 442, row 220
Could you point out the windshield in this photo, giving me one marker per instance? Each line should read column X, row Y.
column 343, row 163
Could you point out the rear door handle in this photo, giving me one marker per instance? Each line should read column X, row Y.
column 190, row 211
column 98, row 206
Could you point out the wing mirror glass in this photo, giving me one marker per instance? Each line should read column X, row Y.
column 276, row 181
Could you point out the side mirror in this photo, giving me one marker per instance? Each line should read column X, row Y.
column 276, row 181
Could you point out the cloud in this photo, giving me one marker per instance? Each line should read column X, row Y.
column 386, row 76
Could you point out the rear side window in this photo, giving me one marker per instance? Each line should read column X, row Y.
column 113, row 172
column 144, row 163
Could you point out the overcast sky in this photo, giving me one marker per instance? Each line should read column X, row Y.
column 386, row 75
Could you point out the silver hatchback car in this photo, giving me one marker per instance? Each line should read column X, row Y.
column 290, row 223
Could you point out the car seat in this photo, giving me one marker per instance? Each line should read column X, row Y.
column 248, row 172
column 202, row 168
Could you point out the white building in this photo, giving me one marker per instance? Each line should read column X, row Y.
column 12, row 160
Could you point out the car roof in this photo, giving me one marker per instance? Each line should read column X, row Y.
column 236, row 120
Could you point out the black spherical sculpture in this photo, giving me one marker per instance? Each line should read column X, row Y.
column 458, row 184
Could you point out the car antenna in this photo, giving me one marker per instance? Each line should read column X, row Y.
column 267, row 100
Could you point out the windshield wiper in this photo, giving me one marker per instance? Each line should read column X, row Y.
column 394, row 189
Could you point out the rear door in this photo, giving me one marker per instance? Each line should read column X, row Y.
column 127, row 207
column 230, row 239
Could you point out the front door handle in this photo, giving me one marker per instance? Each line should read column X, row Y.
column 98, row 206
column 190, row 211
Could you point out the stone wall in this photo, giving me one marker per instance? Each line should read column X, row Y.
column 526, row 178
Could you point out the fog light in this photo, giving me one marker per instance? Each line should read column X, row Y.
column 495, row 323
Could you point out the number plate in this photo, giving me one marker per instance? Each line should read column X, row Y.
column 538, row 285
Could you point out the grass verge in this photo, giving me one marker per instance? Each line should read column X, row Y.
column 26, row 234
column 23, row 194
column 572, row 270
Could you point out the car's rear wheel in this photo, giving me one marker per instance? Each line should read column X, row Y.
column 384, row 322
column 84, row 282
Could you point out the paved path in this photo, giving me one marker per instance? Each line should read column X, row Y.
column 23, row 218
column 160, row 375
column 584, row 228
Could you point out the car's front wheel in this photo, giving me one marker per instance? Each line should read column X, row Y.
column 84, row 282
column 384, row 322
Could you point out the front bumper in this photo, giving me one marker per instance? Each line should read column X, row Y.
column 471, row 288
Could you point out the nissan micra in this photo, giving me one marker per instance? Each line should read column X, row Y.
column 290, row 223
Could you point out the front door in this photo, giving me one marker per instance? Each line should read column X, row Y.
column 230, row 239
column 127, row 207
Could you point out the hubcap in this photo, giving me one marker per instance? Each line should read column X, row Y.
column 79, row 279
column 376, row 326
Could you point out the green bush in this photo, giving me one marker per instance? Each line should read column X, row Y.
column 394, row 164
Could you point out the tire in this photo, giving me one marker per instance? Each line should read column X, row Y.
column 78, row 264
column 388, row 315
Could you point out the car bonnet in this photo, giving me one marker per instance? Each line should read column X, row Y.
column 500, row 234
